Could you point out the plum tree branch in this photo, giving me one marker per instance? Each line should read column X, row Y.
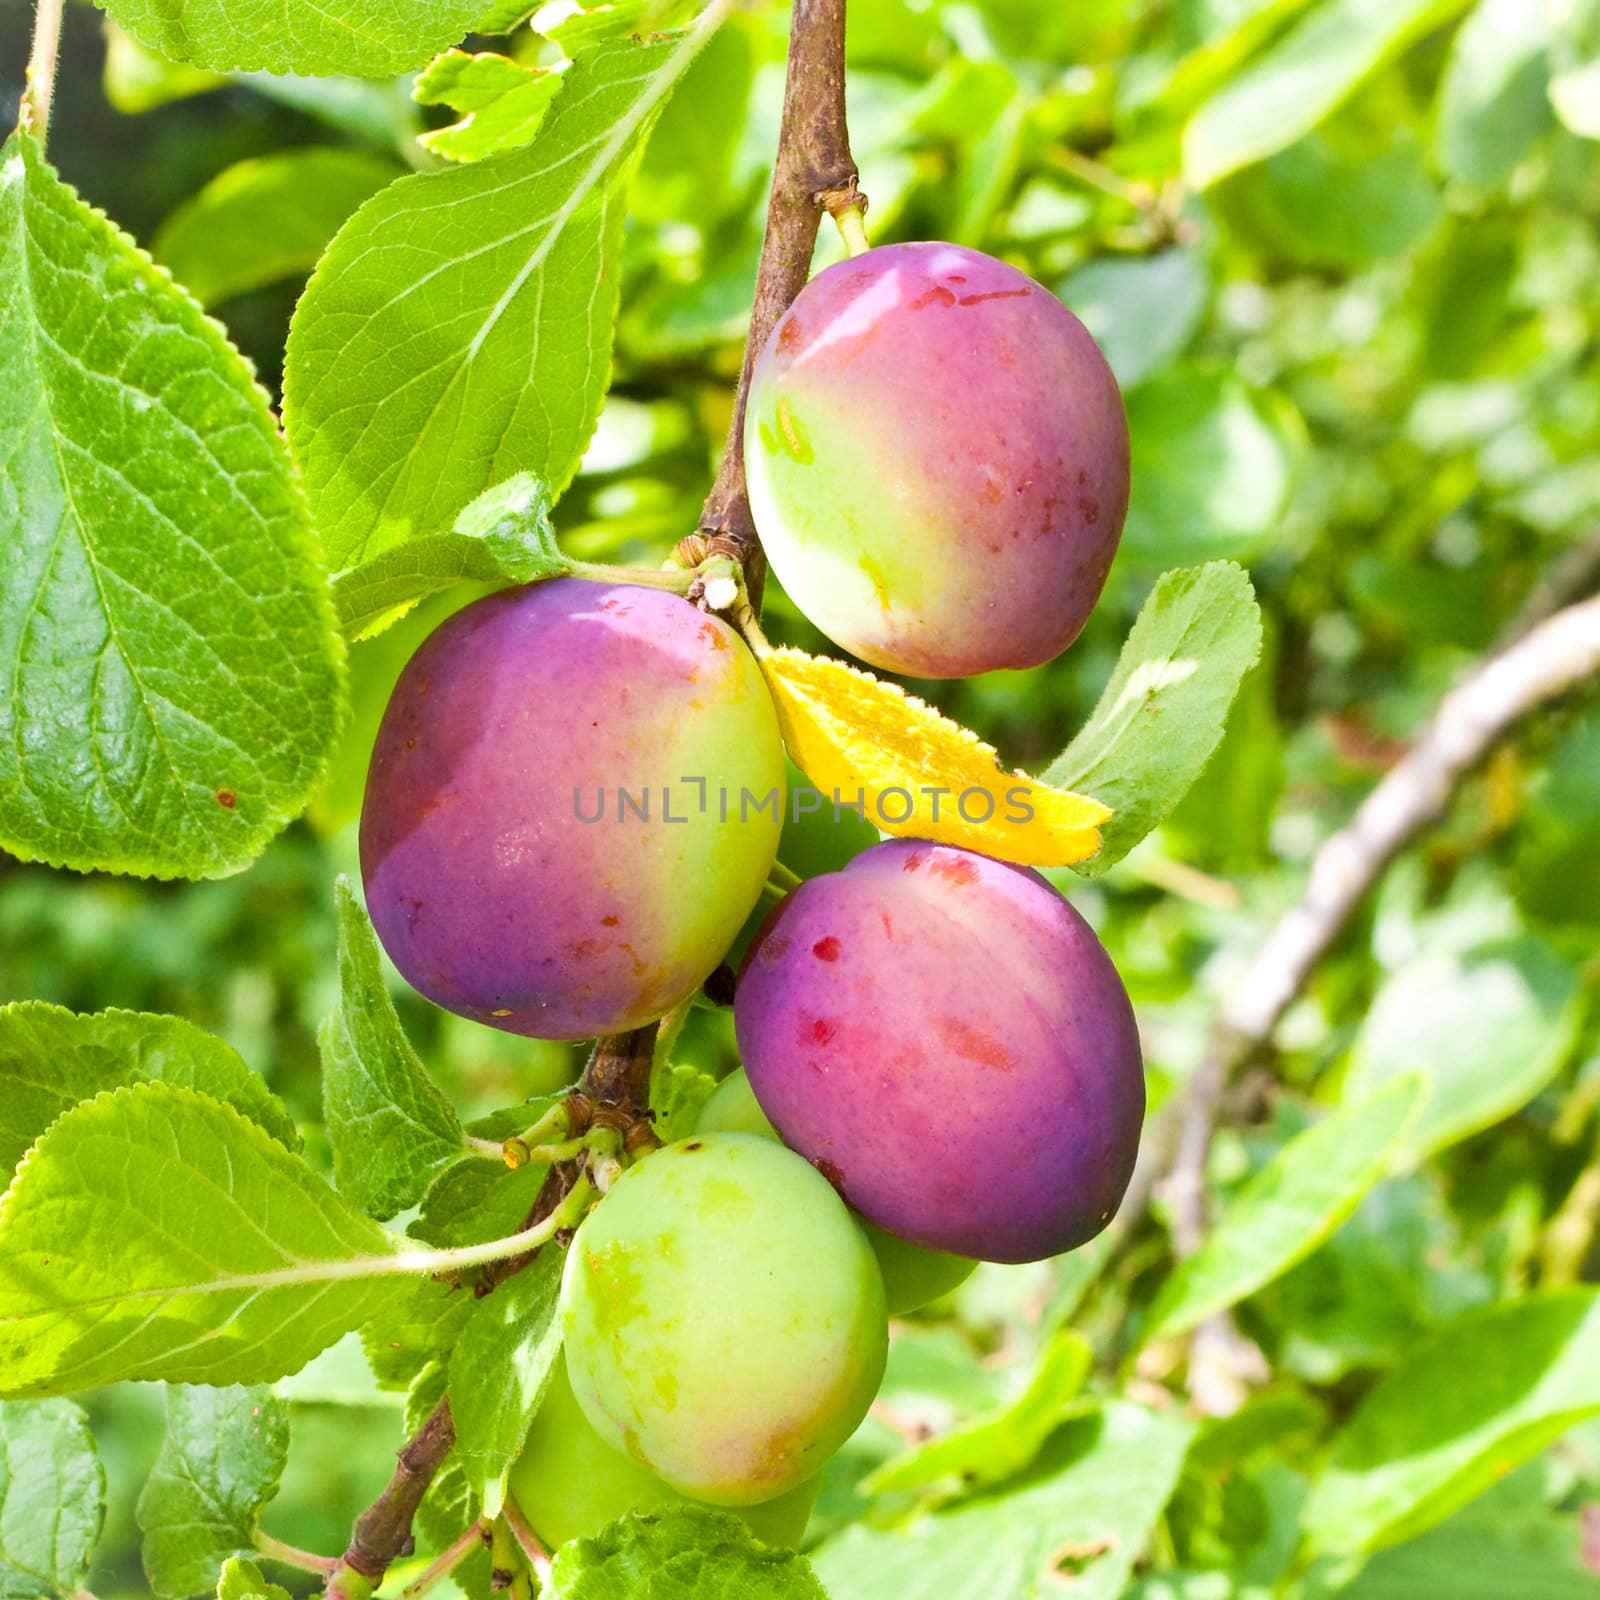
column 1548, row 660
column 812, row 173
column 615, row 1090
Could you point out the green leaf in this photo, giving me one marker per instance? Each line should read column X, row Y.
column 1142, row 310
column 504, row 534
column 265, row 219
column 1329, row 206
column 1487, row 1027
column 243, row 1580
column 1488, row 1392
column 469, row 1203
column 1162, row 713
column 1303, row 77
column 1000, row 1443
column 503, row 102
column 689, row 1554
column 499, row 1370
column 52, row 1499
column 220, row 1462
column 365, row 38
column 677, row 1092
column 165, row 633
column 1509, row 1542
column 1215, row 466
column 51, row 1058
column 459, row 328
column 1075, row 1523
column 1289, row 1207
column 1493, row 98
column 391, row 1128
column 156, row 1233
column 136, row 80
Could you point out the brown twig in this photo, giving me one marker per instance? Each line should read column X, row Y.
column 616, row 1087
column 1550, row 658
column 813, row 172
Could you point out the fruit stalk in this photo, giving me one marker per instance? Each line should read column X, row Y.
column 813, row 172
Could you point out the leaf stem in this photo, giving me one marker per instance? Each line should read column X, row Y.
column 673, row 578
column 41, row 77
column 446, row 1561
column 533, row 1552
column 784, row 878
column 291, row 1555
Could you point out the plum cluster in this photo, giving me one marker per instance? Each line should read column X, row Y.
column 575, row 803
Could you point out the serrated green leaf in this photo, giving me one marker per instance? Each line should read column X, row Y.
column 265, row 219
column 165, row 631
column 469, row 1203
column 504, row 534
column 1289, row 1207
column 677, row 1092
column 502, row 102
column 1487, row 1028
column 365, row 38
column 1303, row 77
column 459, row 328
column 156, row 1233
column 136, row 80
column 52, row 1499
column 499, row 1370
column 688, row 1554
column 51, row 1058
column 1163, row 712
column 221, row 1458
column 1493, row 98
column 391, row 1128
column 243, row 1580
column 1485, row 1394
column 1096, row 1490
column 1000, row 1443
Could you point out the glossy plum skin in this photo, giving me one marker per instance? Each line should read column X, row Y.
column 569, row 1483
column 723, row 1318
column 513, row 722
column 946, row 1039
column 937, row 457
column 912, row 1277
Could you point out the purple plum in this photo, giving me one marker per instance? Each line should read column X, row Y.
column 937, row 457
column 573, row 804
column 945, row 1039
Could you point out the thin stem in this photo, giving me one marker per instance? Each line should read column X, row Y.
column 445, row 1562
column 1099, row 176
column 853, row 230
column 676, row 579
column 42, row 68
column 533, row 1552
column 783, row 877
column 291, row 1555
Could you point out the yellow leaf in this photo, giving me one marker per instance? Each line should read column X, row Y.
column 917, row 773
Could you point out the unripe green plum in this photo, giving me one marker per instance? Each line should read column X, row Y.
column 937, row 457
column 912, row 1276
column 569, row 1483
column 724, row 1318
column 505, row 876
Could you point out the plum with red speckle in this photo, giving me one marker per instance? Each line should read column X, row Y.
column 554, row 836
column 937, row 457
column 943, row 1037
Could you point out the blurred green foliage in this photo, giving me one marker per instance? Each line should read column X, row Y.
column 1344, row 257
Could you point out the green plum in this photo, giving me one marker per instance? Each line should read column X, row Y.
column 569, row 1483
column 724, row 1318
